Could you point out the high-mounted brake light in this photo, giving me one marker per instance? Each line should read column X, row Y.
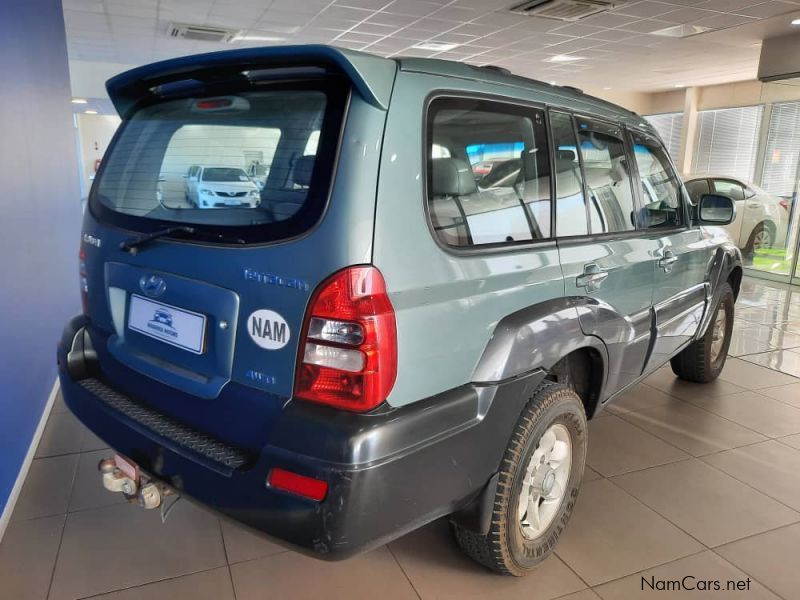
column 84, row 281
column 348, row 356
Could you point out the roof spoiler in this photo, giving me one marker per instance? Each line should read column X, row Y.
column 372, row 76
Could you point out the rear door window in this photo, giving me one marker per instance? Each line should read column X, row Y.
column 697, row 188
column 571, row 215
column 256, row 164
column 488, row 173
column 726, row 187
column 660, row 187
column 608, row 179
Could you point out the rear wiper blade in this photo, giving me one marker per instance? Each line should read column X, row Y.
column 132, row 244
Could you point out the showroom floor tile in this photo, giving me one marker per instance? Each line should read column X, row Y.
column 681, row 479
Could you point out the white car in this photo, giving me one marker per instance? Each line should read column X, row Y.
column 762, row 220
column 221, row 187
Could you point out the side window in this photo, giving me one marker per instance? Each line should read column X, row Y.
column 608, row 180
column 732, row 189
column 570, row 203
column 488, row 173
column 697, row 189
column 660, row 187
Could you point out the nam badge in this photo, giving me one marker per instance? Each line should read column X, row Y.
column 268, row 329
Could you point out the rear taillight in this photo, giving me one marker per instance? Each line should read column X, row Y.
column 84, row 282
column 784, row 204
column 348, row 356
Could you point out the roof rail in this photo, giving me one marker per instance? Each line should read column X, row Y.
column 497, row 69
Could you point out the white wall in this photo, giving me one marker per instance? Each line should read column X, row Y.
column 89, row 78
column 94, row 134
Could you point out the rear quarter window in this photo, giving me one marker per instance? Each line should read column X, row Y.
column 488, row 173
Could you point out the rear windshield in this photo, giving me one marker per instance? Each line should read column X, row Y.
column 254, row 165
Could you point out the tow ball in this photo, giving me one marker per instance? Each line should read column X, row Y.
column 122, row 476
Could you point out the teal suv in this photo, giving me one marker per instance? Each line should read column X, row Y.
column 444, row 270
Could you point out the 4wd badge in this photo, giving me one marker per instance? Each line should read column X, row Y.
column 268, row 329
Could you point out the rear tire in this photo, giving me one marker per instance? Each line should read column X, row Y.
column 520, row 537
column 761, row 237
column 703, row 360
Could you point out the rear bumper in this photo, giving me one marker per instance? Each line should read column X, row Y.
column 387, row 473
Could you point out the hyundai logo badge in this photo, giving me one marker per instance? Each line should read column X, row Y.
column 152, row 285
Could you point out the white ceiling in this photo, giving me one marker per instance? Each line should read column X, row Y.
column 617, row 47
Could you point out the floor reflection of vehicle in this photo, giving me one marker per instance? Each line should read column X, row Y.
column 761, row 218
column 221, row 187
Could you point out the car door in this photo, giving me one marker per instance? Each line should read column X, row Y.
column 745, row 220
column 607, row 270
column 680, row 257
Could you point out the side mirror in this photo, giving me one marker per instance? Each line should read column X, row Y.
column 714, row 209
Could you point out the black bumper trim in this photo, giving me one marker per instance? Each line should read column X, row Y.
column 166, row 427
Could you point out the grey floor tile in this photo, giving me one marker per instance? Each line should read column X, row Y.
column 63, row 434
column 47, row 488
column 640, row 397
column 243, row 544
column 744, row 373
column 692, row 429
column 589, row 474
column 92, row 442
column 791, row 440
column 706, row 503
column 582, row 595
column 59, row 406
column 699, row 568
column 616, row 447
column 785, row 361
column 666, row 381
column 790, row 394
column 770, row 557
column 438, row 569
column 27, row 556
column 755, row 411
column 207, row 585
column 88, row 490
column 770, row 467
column 611, row 535
column 290, row 575
column 117, row 547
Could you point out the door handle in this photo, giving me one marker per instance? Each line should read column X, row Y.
column 667, row 260
column 591, row 278
column 754, row 205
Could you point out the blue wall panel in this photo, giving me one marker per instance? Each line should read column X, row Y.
column 39, row 218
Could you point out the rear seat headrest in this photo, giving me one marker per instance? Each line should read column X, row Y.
column 452, row 177
column 565, row 155
column 303, row 167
